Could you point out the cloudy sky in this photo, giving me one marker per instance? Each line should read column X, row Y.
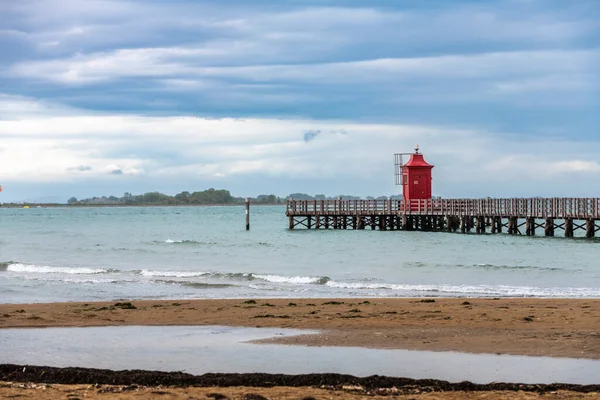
column 107, row 96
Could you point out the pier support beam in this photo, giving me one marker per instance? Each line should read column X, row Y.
column 530, row 227
column 441, row 223
column 549, row 227
column 480, row 228
column 590, row 228
column 511, row 226
column 499, row 224
column 308, row 222
column 410, row 224
column 569, row 227
column 373, row 222
column 291, row 226
column 463, row 225
column 361, row 223
column 317, row 222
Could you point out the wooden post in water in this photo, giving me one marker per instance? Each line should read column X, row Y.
column 248, row 214
column 480, row 225
column 382, row 223
column 530, row 227
column 410, row 224
column 455, row 223
column 590, row 228
column 511, row 226
column 569, row 227
column 549, row 227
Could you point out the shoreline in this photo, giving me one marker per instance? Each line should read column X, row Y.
column 517, row 326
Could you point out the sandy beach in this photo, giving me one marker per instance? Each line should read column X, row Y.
column 93, row 392
column 540, row 327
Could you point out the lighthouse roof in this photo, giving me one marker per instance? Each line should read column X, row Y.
column 417, row 160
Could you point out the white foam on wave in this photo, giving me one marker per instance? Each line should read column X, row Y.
column 44, row 269
column 475, row 290
column 82, row 281
column 171, row 241
column 172, row 274
column 298, row 280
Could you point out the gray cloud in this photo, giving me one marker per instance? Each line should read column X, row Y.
column 311, row 135
column 117, row 172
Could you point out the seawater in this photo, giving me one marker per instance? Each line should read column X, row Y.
column 107, row 253
column 203, row 349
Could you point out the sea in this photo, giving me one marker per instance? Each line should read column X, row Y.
column 109, row 253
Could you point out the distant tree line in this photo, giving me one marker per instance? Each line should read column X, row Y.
column 207, row 197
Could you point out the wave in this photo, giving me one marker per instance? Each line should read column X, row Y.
column 172, row 274
column 196, row 285
column 474, row 290
column 298, row 280
column 484, row 266
column 244, row 276
column 201, row 285
column 517, row 267
column 184, row 242
column 82, row 280
column 45, row 269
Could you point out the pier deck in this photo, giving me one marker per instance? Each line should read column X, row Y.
column 451, row 215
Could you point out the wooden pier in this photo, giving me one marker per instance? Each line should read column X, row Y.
column 517, row 216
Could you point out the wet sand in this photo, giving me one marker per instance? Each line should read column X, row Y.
column 540, row 327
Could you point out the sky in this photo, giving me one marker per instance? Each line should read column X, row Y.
column 315, row 96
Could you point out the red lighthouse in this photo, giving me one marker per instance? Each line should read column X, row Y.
column 416, row 177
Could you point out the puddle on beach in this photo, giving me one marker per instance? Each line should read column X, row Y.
column 202, row 349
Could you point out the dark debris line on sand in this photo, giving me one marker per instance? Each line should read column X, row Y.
column 53, row 375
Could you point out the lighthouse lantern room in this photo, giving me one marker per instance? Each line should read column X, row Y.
column 414, row 176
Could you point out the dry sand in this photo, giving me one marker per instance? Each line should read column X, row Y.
column 541, row 327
